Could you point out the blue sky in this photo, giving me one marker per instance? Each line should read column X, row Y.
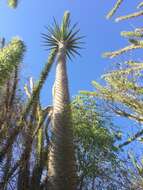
column 28, row 22
column 102, row 35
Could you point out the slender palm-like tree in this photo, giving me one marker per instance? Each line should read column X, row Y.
column 62, row 167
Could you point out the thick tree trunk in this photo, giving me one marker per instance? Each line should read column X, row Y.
column 62, row 174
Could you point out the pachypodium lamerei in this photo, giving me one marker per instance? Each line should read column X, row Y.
column 62, row 167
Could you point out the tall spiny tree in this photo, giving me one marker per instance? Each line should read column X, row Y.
column 62, row 169
column 29, row 136
column 123, row 88
column 35, row 94
column 11, row 55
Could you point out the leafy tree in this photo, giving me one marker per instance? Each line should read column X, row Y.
column 40, row 166
column 89, row 130
column 97, row 157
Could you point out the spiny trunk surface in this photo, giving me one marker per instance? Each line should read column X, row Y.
column 62, row 173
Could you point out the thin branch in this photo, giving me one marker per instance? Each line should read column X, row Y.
column 133, row 15
column 131, row 139
column 114, row 9
column 123, row 50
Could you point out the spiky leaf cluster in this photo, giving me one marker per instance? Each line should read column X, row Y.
column 64, row 35
column 10, row 56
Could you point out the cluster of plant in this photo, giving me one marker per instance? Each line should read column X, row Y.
column 123, row 89
column 26, row 129
column 70, row 144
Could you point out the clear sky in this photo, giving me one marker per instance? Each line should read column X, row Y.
column 102, row 35
column 28, row 22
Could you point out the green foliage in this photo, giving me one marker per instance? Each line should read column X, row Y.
column 10, row 57
column 56, row 36
column 12, row 3
column 123, row 88
column 137, row 171
column 66, row 36
column 30, row 126
column 89, row 127
column 123, row 91
column 132, row 34
column 94, row 138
